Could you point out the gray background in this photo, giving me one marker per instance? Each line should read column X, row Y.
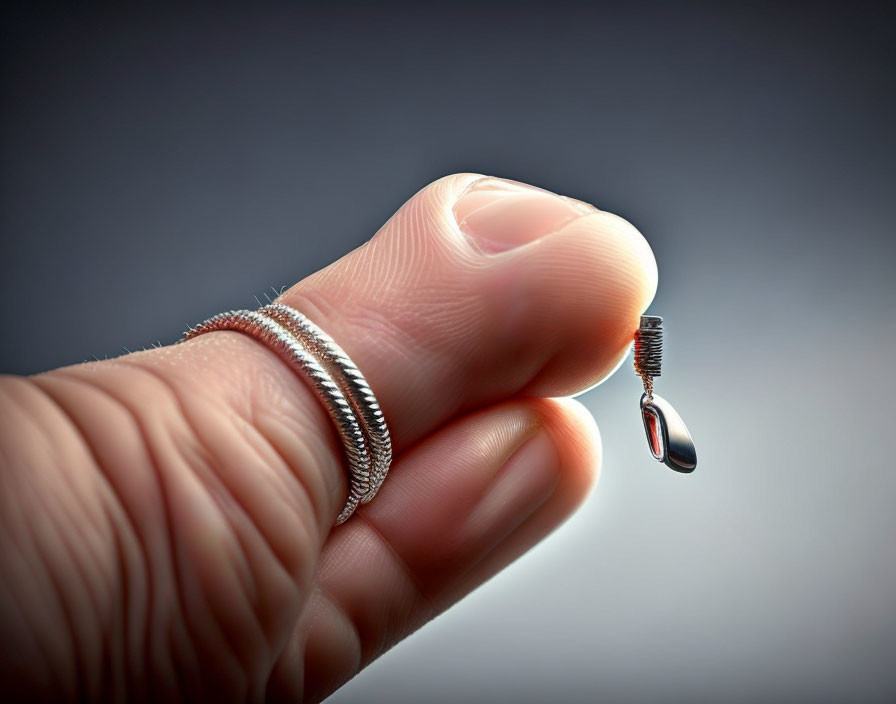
column 150, row 160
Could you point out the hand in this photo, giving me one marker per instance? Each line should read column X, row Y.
column 168, row 516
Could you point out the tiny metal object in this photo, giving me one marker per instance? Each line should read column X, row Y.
column 667, row 435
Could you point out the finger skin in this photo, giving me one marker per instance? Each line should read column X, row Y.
column 164, row 513
column 447, row 520
column 422, row 301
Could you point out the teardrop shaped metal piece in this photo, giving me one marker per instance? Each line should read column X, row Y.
column 667, row 435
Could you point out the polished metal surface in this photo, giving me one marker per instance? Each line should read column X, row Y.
column 676, row 448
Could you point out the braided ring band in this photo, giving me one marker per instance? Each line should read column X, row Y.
column 351, row 382
column 302, row 357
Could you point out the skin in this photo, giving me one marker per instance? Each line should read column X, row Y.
column 167, row 517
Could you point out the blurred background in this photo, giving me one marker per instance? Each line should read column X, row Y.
column 151, row 159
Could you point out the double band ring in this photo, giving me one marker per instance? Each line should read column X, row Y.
column 336, row 381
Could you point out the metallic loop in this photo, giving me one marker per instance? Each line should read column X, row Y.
column 667, row 435
column 302, row 360
column 352, row 384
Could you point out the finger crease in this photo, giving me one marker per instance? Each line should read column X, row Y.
column 421, row 594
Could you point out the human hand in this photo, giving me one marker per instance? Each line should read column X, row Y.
column 167, row 516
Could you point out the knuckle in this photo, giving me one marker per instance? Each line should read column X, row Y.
column 206, row 557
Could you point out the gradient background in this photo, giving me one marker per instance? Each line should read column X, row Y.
column 151, row 160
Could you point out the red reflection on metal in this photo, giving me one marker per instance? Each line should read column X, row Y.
column 654, row 435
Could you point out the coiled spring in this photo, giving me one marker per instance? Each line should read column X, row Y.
column 649, row 350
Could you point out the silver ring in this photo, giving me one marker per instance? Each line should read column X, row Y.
column 351, row 382
column 347, row 398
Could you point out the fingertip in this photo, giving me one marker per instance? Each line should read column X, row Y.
column 621, row 243
column 576, row 437
column 641, row 259
column 594, row 278
column 517, row 291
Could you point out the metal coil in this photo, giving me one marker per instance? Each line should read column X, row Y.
column 303, row 361
column 649, row 347
column 352, row 384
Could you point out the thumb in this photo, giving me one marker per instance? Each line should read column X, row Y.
column 179, row 498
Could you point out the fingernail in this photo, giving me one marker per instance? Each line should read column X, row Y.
column 500, row 214
column 525, row 481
